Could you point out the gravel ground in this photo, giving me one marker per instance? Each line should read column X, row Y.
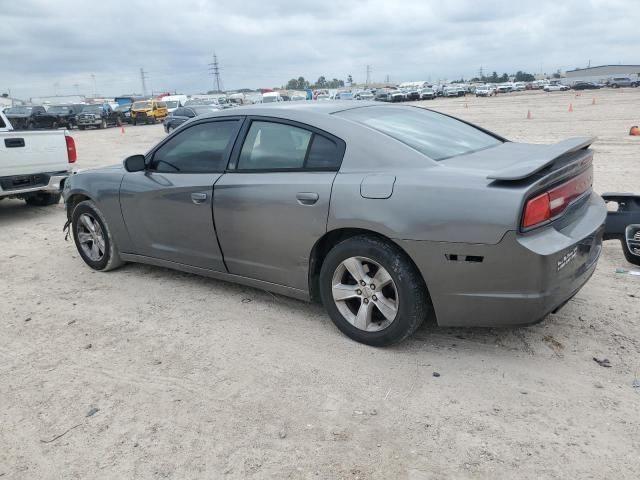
column 149, row 373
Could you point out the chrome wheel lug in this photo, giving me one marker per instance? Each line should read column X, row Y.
column 359, row 292
column 366, row 300
column 372, row 286
column 363, row 283
column 374, row 298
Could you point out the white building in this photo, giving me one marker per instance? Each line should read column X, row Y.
column 601, row 74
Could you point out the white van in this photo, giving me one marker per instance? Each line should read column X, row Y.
column 174, row 101
column 272, row 97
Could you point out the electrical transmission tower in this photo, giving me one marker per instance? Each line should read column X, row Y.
column 368, row 75
column 214, row 69
column 143, row 77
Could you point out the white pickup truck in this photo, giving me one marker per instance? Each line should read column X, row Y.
column 34, row 165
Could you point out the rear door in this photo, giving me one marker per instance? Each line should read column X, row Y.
column 167, row 208
column 272, row 204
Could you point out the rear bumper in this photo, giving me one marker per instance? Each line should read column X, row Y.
column 518, row 281
column 54, row 185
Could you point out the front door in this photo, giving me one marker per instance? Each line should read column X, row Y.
column 168, row 207
column 272, row 206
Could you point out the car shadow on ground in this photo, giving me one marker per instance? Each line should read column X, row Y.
column 14, row 212
column 429, row 336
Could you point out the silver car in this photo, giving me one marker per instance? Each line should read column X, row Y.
column 386, row 214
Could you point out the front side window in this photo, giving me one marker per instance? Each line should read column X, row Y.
column 274, row 146
column 433, row 134
column 199, row 149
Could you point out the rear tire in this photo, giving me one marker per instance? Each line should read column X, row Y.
column 43, row 199
column 403, row 295
column 87, row 222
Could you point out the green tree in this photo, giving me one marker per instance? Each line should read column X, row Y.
column 524, row 77
column 493, row 78
column 350, row 80
column 292, row 84
column 557, row 74
column 504, row 78
column 321, row 83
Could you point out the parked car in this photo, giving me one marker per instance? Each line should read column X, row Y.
column 382, row 96
column 125, row 112
column 363, row 95
column 272, row 97
column 555, row 87
column 485, row 91
column 182, row 114
column 446, row 228
column 174, row 101
column 585, row 86
column 427, row 94
column 451, row 91
column 99, row 116
column 34, row 165
column 617, row 82
column 58, row 116
column 24, row 117
column 412, row 93
column 323, row 96
column 148, row 112
column 343, row 96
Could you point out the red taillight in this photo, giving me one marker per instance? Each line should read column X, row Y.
column 537, row 211
column 72, row 155
column 550, row 204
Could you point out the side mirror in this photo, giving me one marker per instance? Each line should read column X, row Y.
column 135, row 163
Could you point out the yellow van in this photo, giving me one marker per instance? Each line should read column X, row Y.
column 148, row 111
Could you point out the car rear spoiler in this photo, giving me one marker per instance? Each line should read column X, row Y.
column 540, row 158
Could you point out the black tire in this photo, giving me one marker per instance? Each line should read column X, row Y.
column 43, row 199
column 631, row 258
column 30, row 126
column 412, row 298
column 111, row 258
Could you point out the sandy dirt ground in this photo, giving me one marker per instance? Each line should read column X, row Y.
column 146, row 373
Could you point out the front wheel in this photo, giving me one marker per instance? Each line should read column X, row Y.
column 93, row 238
column 372, row 291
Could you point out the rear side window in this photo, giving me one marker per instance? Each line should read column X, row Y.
column 324, row 153
column 433, row 134
column 274, row 146
column 199, row 149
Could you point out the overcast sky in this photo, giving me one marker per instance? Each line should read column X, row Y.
column 55, row 46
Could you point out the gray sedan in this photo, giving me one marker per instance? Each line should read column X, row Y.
column 386, row 214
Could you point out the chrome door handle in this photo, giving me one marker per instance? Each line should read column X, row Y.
column 198, row 197
column 307, row 198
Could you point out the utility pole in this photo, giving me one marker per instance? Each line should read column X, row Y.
column 368, row 75
column 143, row 78
column 214, row 69
column 386, row 79
column 93, row 81
column 480, row 73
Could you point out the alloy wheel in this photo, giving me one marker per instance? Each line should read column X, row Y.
column 91, row 237
column 365, row 294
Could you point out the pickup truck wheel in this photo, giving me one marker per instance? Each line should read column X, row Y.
column 30, row 126
column 93, row 238
column 43, row 199
column 372, row 291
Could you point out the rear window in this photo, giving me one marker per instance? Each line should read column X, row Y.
column 433, row 134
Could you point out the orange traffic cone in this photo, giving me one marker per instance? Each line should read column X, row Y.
column 571, row 107
column 528, row 114
column 593, row 102
column 122, row 130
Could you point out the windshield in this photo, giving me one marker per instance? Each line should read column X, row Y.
column 172, row 103
column 92, row 108
column 19, row 110
column 58, row 109
column 141, row 106
column 435, row 135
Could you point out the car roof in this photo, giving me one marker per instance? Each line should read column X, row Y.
column 283, row 109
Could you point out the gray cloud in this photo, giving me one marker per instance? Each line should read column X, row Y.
column 265, row 43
